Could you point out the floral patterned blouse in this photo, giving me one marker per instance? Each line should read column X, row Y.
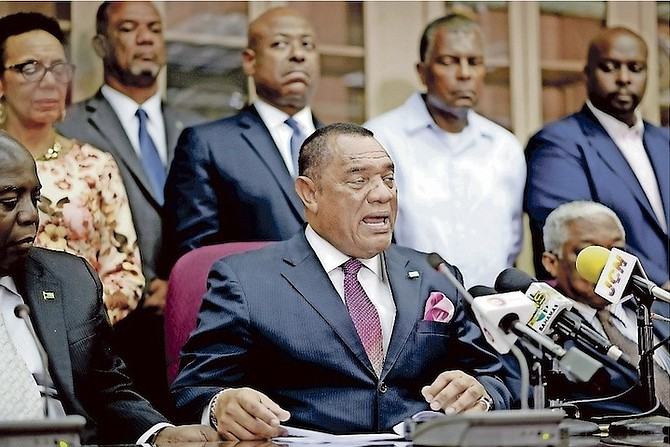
column 84, row 210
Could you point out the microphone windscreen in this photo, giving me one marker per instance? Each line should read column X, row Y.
column 513, row 280
column 591, row 261
column 435, row 260
column 21, row 310
column 482, row 291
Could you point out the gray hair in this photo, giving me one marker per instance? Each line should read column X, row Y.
column 555, row 231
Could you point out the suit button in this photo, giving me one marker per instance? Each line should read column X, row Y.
column 382, row 388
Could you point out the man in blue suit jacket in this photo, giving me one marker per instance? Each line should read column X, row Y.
column 231, row 179
column 606, row 153
column 570, row 228
column 275, row 340
column 64, row 295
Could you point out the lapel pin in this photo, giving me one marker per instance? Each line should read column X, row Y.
column 48, row 296
column 412, row 274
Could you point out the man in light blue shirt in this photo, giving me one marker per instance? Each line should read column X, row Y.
column 461, row 174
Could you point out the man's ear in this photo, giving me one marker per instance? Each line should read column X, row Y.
column 248, row 61
column 550, row 263
column 99, row 43
column 307, row 191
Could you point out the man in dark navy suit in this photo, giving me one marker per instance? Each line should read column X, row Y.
column 232, row 179
column 608, row 154
column 335, row 329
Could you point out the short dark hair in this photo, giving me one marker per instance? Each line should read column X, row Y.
column 24, row 22
column 452, row 21
column 102, row 18
column 315, row 153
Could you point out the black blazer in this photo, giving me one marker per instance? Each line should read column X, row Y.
column 65, row 298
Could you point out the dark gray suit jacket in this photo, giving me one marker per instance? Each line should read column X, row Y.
column 94, row 121
column 76, row 334
column 273, row 321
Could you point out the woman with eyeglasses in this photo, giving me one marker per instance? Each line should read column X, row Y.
column 83, row 205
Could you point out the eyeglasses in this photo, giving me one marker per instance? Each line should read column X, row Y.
column 35, row 71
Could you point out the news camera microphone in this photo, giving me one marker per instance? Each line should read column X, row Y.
column 510, row 310
column 614, row 272
column 553, row 314
column 22, row 311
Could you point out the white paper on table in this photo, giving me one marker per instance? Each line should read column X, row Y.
column 313, row 437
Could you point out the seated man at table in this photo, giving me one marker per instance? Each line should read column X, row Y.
column 335, row 329
column 568, row 229
column 64, row 296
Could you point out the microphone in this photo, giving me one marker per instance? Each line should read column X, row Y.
column 614, row 272
column 510, row 309
column 553, row 314
column 22, row 311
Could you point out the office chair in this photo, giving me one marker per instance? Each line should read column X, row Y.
column 186, row 286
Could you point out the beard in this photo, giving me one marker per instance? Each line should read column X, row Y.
column 137, row 74
column 437, row 103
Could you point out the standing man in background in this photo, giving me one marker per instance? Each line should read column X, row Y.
column 128, row 118
column 462, row 175
column 606, row 153
column 232, row 179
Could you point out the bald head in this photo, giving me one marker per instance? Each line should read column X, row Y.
column 19, row 193
column 282, row 58
column 616, row 73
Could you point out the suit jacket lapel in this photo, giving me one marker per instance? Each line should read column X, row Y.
column 660, row 161
column 304, row 271
column 262, row 143
column 104, row 120
column 406, row 294
column 610, row 155
column 43, row 294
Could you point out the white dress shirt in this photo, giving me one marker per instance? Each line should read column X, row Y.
column 459, row 195
column 281, row 132
column 630, row 143
column 125, row 109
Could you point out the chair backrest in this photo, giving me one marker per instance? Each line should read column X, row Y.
column 186, row 286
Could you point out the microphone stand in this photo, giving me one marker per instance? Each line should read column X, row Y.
column 645, row 342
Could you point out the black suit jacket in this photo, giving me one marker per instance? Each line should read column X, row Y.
column 227, row 183
column 76, row 334
column 94, row 121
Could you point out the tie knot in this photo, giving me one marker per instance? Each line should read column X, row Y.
column 293, row 124
column 351, row 267
column 141, row 114
column 604, row 315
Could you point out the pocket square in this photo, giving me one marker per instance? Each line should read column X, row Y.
column 438, row 308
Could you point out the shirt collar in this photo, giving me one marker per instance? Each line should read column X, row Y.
column 273, row 117
column 615, row 127
column 126, row 106
column 331, row 258
column 9, row 284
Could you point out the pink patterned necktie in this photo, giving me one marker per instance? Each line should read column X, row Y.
column 364, row 314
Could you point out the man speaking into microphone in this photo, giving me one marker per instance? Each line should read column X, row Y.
column 569, row 229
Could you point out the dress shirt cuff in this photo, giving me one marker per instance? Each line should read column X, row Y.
column 149, row 433
column 206, row 417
